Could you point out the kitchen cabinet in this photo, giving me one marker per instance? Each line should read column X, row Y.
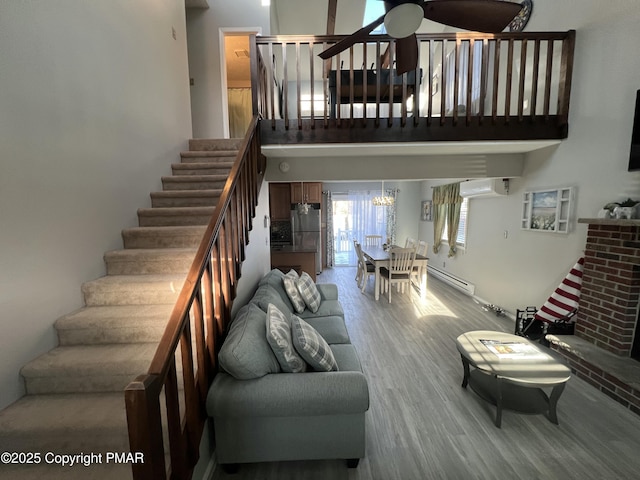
column 300, row 260
column 279, row 201
column 309, row 192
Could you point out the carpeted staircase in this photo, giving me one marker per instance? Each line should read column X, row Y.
column 75, row 401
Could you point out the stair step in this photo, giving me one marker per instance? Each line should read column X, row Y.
column 101, row 325
column 87, row 368
column 194, row 182
column 65, row 423
column 186, row 198
column 163, row 237
column 174, row 216
column 143, row 261
column 207, row 144
column 209, row 156
column 133, row 290
column 217, row 168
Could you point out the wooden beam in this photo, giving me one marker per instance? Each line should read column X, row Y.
column 331, row 30
column 331, row 17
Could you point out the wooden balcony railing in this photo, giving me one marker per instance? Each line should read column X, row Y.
column 166, row 406
column 466, row 86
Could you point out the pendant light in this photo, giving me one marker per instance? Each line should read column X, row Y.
column 383, row 200
column 302, row 207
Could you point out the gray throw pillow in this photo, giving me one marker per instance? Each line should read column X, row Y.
column 309, row 292
column 311, row 346
column 279, row 338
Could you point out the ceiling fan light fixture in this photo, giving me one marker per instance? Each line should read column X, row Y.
column 403, row 20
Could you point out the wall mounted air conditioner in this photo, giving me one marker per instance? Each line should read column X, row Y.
column 485, row 187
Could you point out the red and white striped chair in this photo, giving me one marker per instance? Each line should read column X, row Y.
column 556, row 314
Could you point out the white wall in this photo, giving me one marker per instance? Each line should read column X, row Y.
column 204, row 57
column 526, row 267
column 94, row 106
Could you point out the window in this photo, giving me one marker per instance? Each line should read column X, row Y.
column 461, row 237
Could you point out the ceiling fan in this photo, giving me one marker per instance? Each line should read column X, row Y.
column 403, row 17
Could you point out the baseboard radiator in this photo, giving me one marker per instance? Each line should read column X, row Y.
column 456, row 282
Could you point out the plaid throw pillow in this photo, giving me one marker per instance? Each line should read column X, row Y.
column 311, row 346
column 290, row 286
column 309, row 292
column 280, row 341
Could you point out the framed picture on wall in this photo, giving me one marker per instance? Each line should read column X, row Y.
column 427, row 211
column 547, row 210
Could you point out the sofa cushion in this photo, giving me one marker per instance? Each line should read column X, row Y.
column 246, row 354
column 291, row 287
column 327, row 308
column 274, row 280
column 332, row 328
column 265, row 295
column 309, row 292
column 328, row 291
column 311, row 346
column 279, row 338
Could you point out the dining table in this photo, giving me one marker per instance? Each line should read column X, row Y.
column 379, row 257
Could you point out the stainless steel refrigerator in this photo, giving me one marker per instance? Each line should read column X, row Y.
column 306, row 232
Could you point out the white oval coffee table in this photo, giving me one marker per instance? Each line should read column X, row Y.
column 511, row 372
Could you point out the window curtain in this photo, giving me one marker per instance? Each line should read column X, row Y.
column 330, row 255
column 367, row 218
column 239, row 111
column 391, row 216
column 446, row 212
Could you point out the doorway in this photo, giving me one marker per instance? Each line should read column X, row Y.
column 355, row 216
column 236, row 81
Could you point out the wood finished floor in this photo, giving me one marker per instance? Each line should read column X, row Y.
column 423, row 425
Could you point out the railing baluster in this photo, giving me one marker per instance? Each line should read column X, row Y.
column 178, row 452
column 351, row 87
column 484, row 69
column 470, row 74
column 392, row 56
column 416, row 89
column 548, row 76
column 523, row 72
column 365, row 82
column 534, row 85
column 312, row 80
column 443, row 82
column 285, row 86
column 298, row 86
column 496, row 83
column 430, row 80
column 378, row 75
column 507, row 100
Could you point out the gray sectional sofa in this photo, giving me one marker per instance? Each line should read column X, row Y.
column 262, row 414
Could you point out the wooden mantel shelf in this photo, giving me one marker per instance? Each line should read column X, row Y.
column 610, row 221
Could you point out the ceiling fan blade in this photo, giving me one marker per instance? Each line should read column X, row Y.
column 406, row 54
column 490, row 16
column 357, row 36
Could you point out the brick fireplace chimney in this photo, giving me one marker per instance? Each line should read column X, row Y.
column 608, row 308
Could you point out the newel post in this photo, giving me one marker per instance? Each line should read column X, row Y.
column 142, row 400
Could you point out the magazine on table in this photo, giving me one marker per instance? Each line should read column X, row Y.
column 512, row 349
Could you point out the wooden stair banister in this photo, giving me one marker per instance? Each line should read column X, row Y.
column 198, row 321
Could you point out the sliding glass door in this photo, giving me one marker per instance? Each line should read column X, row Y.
column 355, row 216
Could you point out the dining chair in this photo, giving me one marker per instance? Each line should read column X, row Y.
column 421, row 249
column 356, row 247
column 365, row 269
column 373, row 240
column 400, row 269
column 409, row 243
